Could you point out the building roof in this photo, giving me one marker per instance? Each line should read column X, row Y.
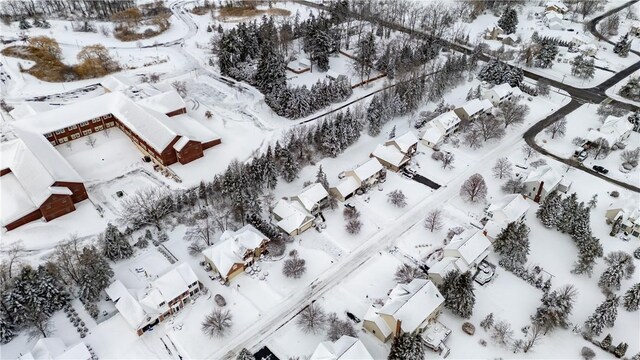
column 448, row 264
column 292, row 215
column 117, row 82
column 232, row 247
column 403, row 142
column 175, row 282
column 544, row 174
column 373, row 316
column 558, row 4
column 311, row 195
column 475, row 106
column 368, row 169
column 492, row 27
column 389, row 154
column 29, row 108
column 116, row 290
column 164, row 102
column 347, row 185
column 502, row 90
column 412, row 303
column 54, row 349
column 345, row 348
column 580, row 39
column 447, row 120
column 34, row 170
column 471, row 244
column 433, row 134
column 512, row 206
column 553, row 16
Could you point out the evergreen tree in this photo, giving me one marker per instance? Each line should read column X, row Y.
column 606, row 342
column 290, row 167
column 620, row 265
column 550, row 210
column 24, row 24
column 7, row 329
column 321, row 178
column 623, row 46
column 555, row 308
column 632, row 298
column 569, row 213
column 583, row 68
column 487, row 322
column 513, row 245
column 508, row 20
column 374, row 116
column 457, row 290
column 95, row 274
column 116, row 246
column 604, row 316
column 366, row 55
column 546, row 54
column 271, row 71
column 590, row 250
column 407, row 346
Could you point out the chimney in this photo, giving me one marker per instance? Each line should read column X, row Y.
column 398, row 327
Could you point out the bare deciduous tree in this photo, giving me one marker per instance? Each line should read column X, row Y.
column 91, row 141
column 473, row 138
column 474, row 188
column 312, row 319
column 433, row 221
column 528, row 151
column 217, row 324
column 181, row 87
column 501, row 333
column 502, row 168
column 353, row 226
column 195, row 248
column 557, row 128
column 489, row 127
column 406, row 273
column 202, row 230
column 146, row 207
column 600, row 146
column 445, row 157
column 512, row 113
column 15, row 252
column 513, row 186
column 294, row 267
column 339, row 328
column 397, row 198
column 535, row 333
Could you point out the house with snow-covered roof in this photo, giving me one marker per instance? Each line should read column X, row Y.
column 542, row 181
column 492, row 32
column 553, row 20
column 364, row 175
column 144, row 308
column 235, row 251
column 396, row 153
column 511, row 208
column 627, row 217
column 500, row 93
column 36, row 182
column 556, row 6
column 410, row 307
column 614, row 129
column 53, row 348
column 297, row 214
column 471, row 246
column 439, row 128
column 345, row 348
column 472, row 109
column 169, row 103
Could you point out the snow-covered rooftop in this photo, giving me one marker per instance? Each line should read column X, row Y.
column 447, row 120
column 559, row 4
column 345, row 348
column 544, row 174
column 232, row 247
column 164, row 102
column 347, row 185
column 368, row 169
column 502, row 90
column 311, row 195
column 412, row 303
column 433, row 134
column 389, row 154
column 471, row 245
column 292, row 217
column 53, row 348
column 448, row 264
column 404, row 141
column 29, row 108
column 117, row 82
column 475, row 106
column 511, row 206
column 175, row 282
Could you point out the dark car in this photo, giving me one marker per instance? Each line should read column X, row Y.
column 600, row 169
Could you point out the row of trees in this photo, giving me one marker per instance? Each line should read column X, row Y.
column 97, row 9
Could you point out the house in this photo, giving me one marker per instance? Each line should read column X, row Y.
column 36, row 182
column 614, row 129
column 235, row 251
column 169, row 103
column 439, row 270
column 397, row 152
column 553, row 20
column 492, row 32
column 410, row 307
column 304, row 63
column 52, row 348
column 471, row 246
column 144, row 308
column 365, row 175
column 542, row 181
column 500, row 93
column 578, row 40
column 345, row 348
column 511, row 39
column 556, row 6
column 440, row 128
column 628, row 218
column 333, row 75
column 472, row 109
column 588, row 49
column 634, row 29
column 511, row 208
column 297, row 214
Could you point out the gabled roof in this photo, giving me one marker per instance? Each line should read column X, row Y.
column 412, row 303
column 116, row 290
column 433, row 134
column 544, row 174
column 232, row 247
column 347, row 185
column 164, row 102
column 446, row 265
column 616, row 125
column 345, row 348
column 502, row 90
column 403, row 142
column 175, row 282
column 471, row 244
column 292, row 215
column 553, row 16
column 447, row 120
column 311, row 195
column 475, row 106
column 512, row 206
column 54, row 349
column 559, row 4
column 368, row 169
column 131, row 311
column 116, row 82
column 390, row 154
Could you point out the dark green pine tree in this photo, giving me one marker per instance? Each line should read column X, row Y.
column 96, row 273
column 550, row 210
column 115, row 245
column 407, row 346
column 271, row 71
column 374, row 116
column 604, row 316
column 508, row 20
column 457, row 289
column 513, row 245
column 623, row 46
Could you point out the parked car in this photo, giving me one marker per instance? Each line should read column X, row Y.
column 349, row 205
column 600, row 169
column 353, row 317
